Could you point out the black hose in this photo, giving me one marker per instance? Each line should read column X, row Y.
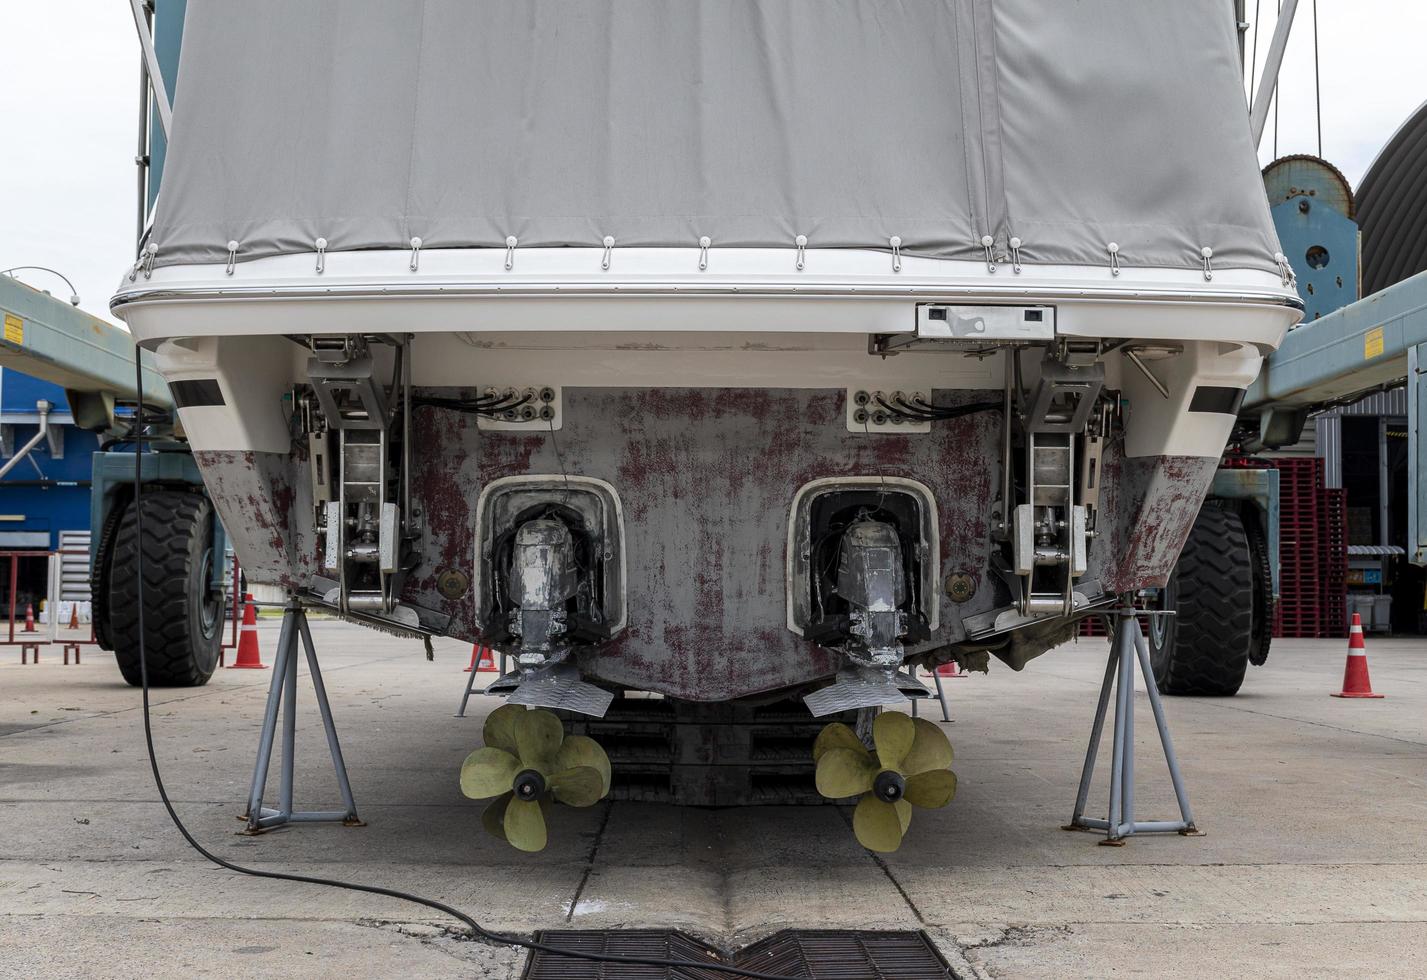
column 476, row 929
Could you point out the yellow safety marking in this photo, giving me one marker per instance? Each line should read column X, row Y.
column 14, row 329
column 1373, row 344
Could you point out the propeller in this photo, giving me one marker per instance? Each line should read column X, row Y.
column 527, row 762
column 908, row 769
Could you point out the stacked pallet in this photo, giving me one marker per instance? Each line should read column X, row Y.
column 1333, row 560
column 1313, row 555
column 1300, row 520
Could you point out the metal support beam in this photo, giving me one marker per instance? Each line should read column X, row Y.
column 43, row 408
column 282, row 693
column 1127, row 648
column 1416, row 465
column 1258, row 114
column 151, row 65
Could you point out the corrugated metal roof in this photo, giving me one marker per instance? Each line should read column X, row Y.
column 1392, row 207
column 1390, row 402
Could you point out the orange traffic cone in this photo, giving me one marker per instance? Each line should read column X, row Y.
column 1355, row 674
column 952, row 669
column 74, row 616
column 482, row 660
column 249, row 655
column 29, row 617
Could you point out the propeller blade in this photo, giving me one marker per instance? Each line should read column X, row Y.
column 930, row 790
column 842, row 772
column 931, row 749
column 538, row 734
column 488, row 772
column 893, row 734
column 581, row 750
column 493, row 817
column 525, row 824
column 580, row 786
column 837, row 736
column 499, row 729
column 904, row 814
column 877, row 824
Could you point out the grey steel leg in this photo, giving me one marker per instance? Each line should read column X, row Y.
column 1096, row 730
column 471, row 682
column 289, row 730
column 1117, row 755
column 941, row 696
column 325, row 709
column 1127, row 781
column 1170, row 758
column 269, row 729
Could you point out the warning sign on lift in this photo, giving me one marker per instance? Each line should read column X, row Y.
column 14, row 329
column 1372, row 343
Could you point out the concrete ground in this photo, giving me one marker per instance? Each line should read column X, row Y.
column 1314, row 859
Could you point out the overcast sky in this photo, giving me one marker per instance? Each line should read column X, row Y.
column 69, row 94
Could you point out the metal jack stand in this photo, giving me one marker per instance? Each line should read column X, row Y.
column 470, row 683
column 940, row 696
column 1128, row 646
column 283, row 691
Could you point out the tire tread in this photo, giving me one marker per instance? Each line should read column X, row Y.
column 176, row 526
column 1213, row 628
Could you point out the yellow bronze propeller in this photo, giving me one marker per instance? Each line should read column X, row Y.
column 526, row 762
column 909, row 769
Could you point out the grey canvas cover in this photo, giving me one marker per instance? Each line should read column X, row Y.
column 369, row 122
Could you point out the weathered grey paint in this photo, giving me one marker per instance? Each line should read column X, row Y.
column 265, row 501
column 1150, row 503
column 706, row 478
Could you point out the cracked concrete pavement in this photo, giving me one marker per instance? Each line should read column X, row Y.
column 1313, row 860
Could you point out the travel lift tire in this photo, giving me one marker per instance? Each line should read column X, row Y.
column 1204, row 648
column 183, row 615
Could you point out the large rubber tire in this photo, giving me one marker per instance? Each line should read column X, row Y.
column 1204, row 648
column 183, row 617
column 1264, row 602
column 101, row 572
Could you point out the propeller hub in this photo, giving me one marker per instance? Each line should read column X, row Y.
column 529, row 784
column 889, row 786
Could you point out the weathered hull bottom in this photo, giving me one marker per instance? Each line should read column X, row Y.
column 706, row 479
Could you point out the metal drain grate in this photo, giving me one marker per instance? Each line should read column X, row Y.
column 810, row 954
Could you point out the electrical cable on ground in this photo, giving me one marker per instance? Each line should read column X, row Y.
column 477, row 931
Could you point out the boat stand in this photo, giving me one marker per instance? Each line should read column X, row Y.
column 1127, row 648
column 940, row 696
column 471, row 682
column 282, row 692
